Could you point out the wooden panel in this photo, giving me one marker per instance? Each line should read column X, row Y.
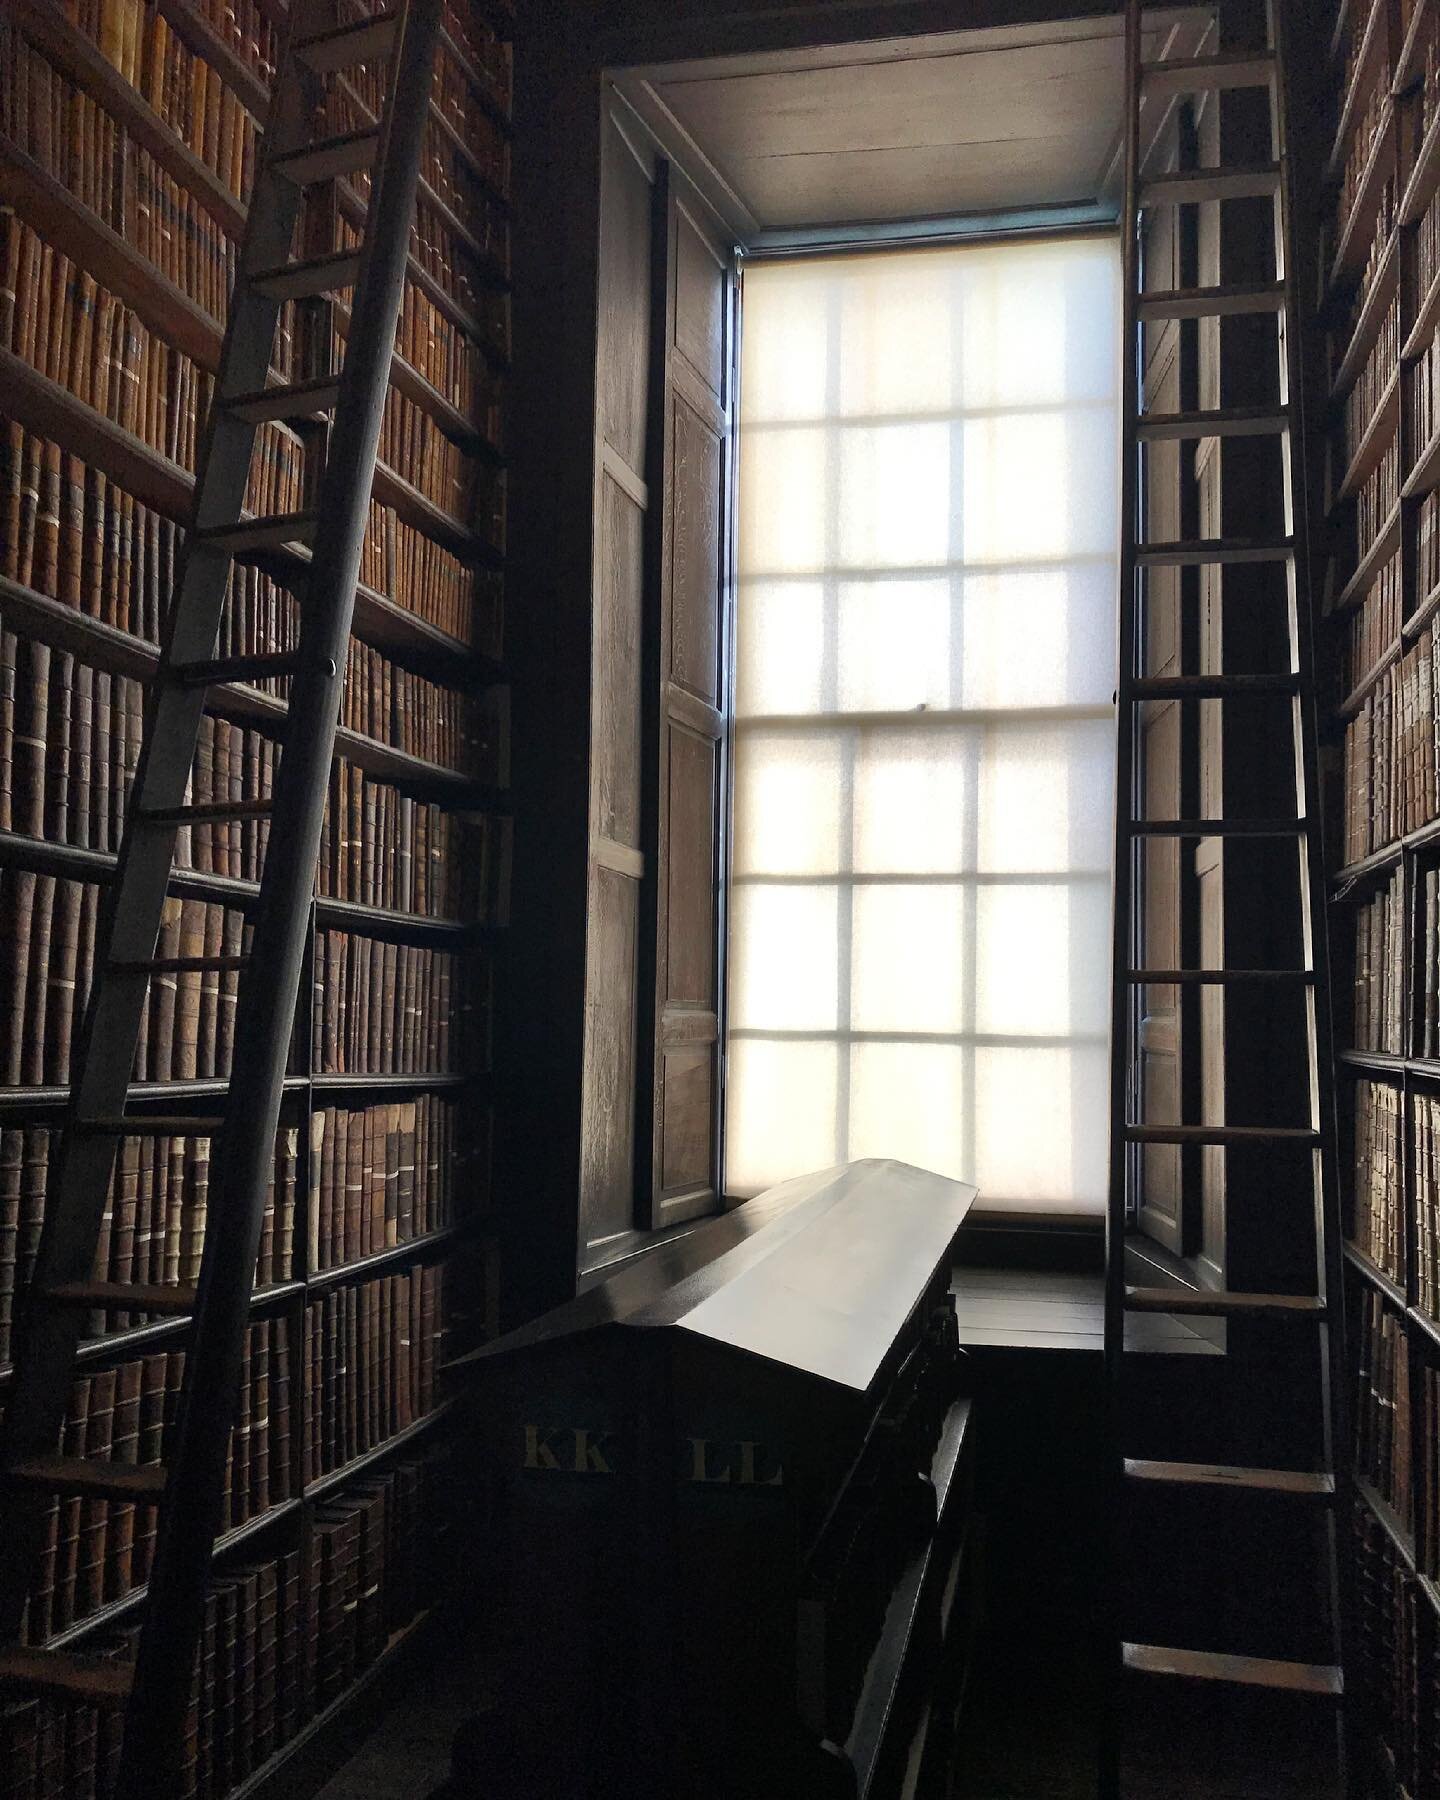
column 607, row 1151
column 687, row 1116
column 690, row 947
column 697, row 472
column 615, row 722
column 701, row 279
column 623, row 368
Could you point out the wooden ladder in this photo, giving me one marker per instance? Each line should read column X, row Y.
column 317, row 553
column 1220, row 1681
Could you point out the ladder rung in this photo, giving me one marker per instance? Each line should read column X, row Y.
column 293, row 400
column 277, row 531
column 183, row 965
column 1209, row 687
column 1218, row 1303
column 153, row 1125
column 1191, row 553
column 1221, row 1134
column 99, row 1680
column 234, row 668
column 1300, row 1484
column 1211, row 302
column 1186, row 187
column 1243, row 1671
column 123, row 1296
column 330, row 157
column 208, row 814
column 95, row 1479
column 1203, row 828
column 1223, row 421
column 316, row 276
column 1217, row 977
column 1200, row 74
column 345, row 45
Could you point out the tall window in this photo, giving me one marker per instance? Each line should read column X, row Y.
column 924, row 741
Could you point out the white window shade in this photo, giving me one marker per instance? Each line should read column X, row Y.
column 920, row 905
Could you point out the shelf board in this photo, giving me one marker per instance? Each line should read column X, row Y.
column 1355, row 238
column 1423, row 330
column 44, row 407
column 1357, row 696
column 1420, row 188
column 1375, row 1276
column 415, row 1249
column 479, row 84
column 1367, row 323
column 1422, row 615
column 17, row 850
column 1387, row 541
column 70, row 50
column 365, row 1084
column 1410, row 66
column 55, row 1097
column 53, row 211
column 1347, row 881
column 200, row 36
column 1425, row 473
column 325, row 1485
column 1429, row 1326
column 1374, row 441
column 1367, row 66
column 1399, row 1536
column 1371, row 1061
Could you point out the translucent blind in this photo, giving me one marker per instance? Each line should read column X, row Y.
column 920, row 917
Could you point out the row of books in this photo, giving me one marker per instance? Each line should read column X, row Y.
column 371, row 1353
column 187, row 93
column 484, row 146
column 281, row 1638
column 1378, row 496
column 97, row 1551
column 1374, row 261
column 469, row 492
column 1379, row 986
column 380, row 847
column 79, row 335
column 1424, row 377
column 1362, row 141
column 1427, row 254
column 448, row 261
column 91, row 154
column 451, row 362
column 382, row 1176
column 1427, row 986
column 383, row 1008
column 483, row 47
column 1425, row 1115
column 1427, row 1534
column 71, row 534
column 469, row 211
column 442, row 725
column 1390, row 757
column 156, row 1211
column 427, row 579
column 1378, row 1217
column 1374, row 626
column 245, row 26
column 1386, row 1676
column 1363, row 400
column 1382, row 1404
column 47, row 947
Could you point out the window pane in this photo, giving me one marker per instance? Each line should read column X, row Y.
column 924, row 731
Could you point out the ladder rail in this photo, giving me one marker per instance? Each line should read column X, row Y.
column 265, row 1021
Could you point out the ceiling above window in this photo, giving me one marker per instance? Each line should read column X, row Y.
column 903, row 128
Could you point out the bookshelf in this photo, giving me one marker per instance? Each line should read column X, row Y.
column 380, row 1257
column 1380, row 307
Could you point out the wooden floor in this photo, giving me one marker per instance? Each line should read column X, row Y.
column 1041, row 1309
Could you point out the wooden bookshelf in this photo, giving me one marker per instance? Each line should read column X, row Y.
column 1379, row 915
column 358, row 1258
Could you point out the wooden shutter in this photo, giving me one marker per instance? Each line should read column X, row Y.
column 690, row 549
column 617, row 863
